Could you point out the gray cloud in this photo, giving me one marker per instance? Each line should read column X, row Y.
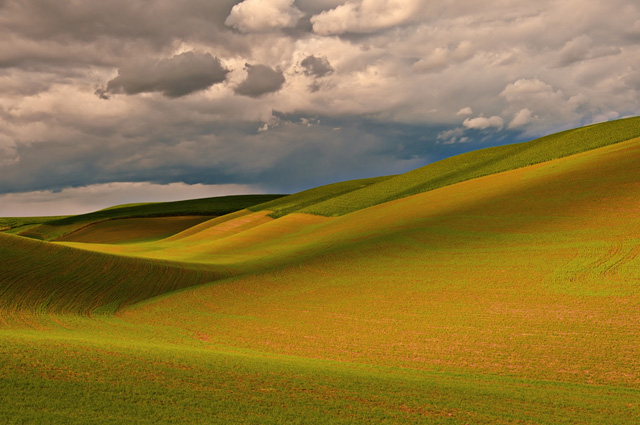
column 317, row 67
column 156, row 21
column 260, row 80
column 396, row 79
column 178, row 76
column 582, row 48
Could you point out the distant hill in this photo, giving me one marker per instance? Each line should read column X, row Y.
column 211, row 207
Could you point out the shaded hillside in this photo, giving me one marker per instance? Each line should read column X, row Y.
column 40, row 277
column 133, row 230
column 212, row 207
column 15, row 225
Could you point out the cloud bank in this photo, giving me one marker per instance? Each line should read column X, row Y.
column 250, row 92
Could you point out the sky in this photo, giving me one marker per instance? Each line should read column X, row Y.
column 103, row 103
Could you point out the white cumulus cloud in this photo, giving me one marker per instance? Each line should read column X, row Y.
column 263, row 15
column 523, row 117
column 365, row 16
column 482, row 123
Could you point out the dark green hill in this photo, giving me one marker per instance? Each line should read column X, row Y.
column 45, row 277
column 214, row 207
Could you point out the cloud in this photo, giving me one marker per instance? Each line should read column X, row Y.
column 316, row 67
column 534, row 100
column 404, row 72
column 582, row 48
column 442, row 57
column 437, row 60
column 523, row 117
column 536, row 96
column 174, row 77
column 260, row 80
column 607, row 116
column 482, row 123
column 364, row 16
column 263, row 15
column 455, row 135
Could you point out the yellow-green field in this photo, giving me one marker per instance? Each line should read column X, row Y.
column 512, row 298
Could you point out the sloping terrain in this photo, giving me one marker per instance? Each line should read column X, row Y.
column 508, row 298
column 14, row 225
column 39, row 277
column 468, row 166
column 212, row 207
column 133, row 230
column 532, row 273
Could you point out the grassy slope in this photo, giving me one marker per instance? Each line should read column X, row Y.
column 39, row 278
column 13, row 225
column 133, row 230
column 298, row 201
column 505, row 299
column 217, row 206
column 476, row 164
column 529, row 273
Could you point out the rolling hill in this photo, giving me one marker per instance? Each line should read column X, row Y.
column 460, row 168
column 58, row 227
column 500, row 286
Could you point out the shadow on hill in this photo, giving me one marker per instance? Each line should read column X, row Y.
column 39, row 277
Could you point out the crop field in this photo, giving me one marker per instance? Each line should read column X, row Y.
column 477, row 164
column 15, row 225
column 133, row 230
column 507, row 298
column 213, row 207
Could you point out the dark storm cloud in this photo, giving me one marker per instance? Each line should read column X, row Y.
column 291, row 156
column 89, row 21
column 38, row 34
column 260, row 80
column 317, row 67
column 178, row 76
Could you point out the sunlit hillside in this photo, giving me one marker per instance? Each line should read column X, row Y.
column 489, row 295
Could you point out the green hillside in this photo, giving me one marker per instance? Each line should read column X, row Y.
column 300, row 200
column 510, row 298
column 472, row 165
column 46, row 278
column 15, row 225
column 217, row 206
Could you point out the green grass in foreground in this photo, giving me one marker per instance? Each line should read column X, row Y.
column 477, row 164
column 61, row 378
column 216, row 206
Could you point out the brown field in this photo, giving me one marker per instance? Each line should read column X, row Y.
column 133, row 230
